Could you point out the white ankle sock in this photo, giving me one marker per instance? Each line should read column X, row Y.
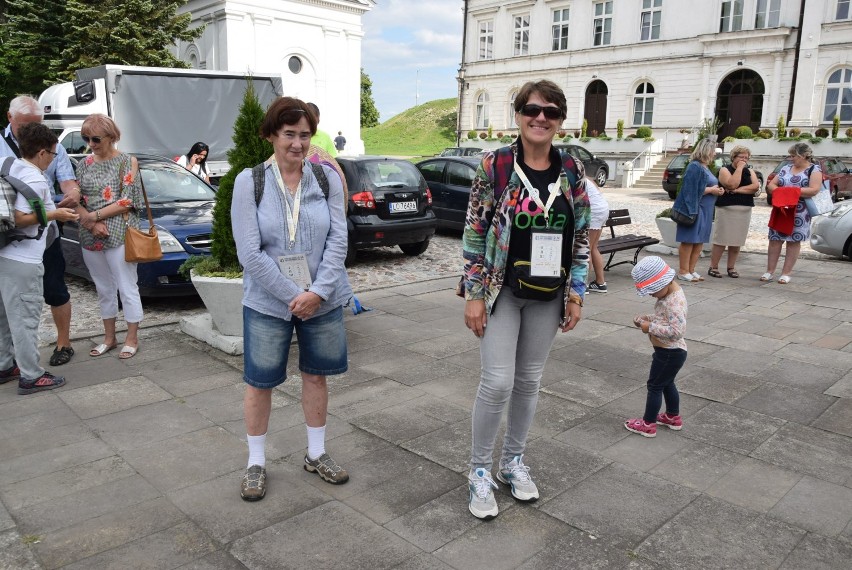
column 257, row 450
column 316, row 441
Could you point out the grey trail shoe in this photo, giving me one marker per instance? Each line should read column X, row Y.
column 482, row 503
column 253, row 487
column 327, row 469
column 517, row 475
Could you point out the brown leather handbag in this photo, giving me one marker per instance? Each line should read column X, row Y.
column 139, row 246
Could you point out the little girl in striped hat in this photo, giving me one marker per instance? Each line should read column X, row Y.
column 665, row 328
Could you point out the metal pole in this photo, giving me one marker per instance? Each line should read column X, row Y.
column 417, row 89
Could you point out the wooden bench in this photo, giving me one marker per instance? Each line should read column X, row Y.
column 614, row 244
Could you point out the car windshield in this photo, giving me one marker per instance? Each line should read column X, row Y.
column 679, row 161
column 164, row 183
column 390, row 174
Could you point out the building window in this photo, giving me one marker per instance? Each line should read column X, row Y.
column 652, row 11
column 732, row 16
column 294, row 64
column 603, row 23
column 486, row 39
column 511, row 122
column 482, row 111
column 838, row 96
column 560, row 29
column 768, row 14
column 522, row 35
column 842, row 9
column 643, row 105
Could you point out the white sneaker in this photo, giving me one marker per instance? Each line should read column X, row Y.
column 517, row 475
column 482, row 503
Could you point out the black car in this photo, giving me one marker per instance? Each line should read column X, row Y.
column 389, row 204
column 596, row 168
column 449, row 179
column 674, row 170
column 460, row 151
column 182, row 208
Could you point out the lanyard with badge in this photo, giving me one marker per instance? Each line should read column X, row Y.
column 546, row 244
column 293, row 266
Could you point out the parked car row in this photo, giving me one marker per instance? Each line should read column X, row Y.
column 674, row 171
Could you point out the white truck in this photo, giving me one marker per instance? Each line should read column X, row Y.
column 160, row 111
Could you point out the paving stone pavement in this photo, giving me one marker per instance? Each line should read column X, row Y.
column 137, row 463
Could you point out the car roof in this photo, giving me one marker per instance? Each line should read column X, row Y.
column 472, row 161
column 369, row 158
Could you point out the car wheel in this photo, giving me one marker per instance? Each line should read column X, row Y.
column 600, row 177
column 672, row 195
column 351, row 252
column 836, row 195
column 414, row 248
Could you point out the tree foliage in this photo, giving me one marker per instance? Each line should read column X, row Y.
column 369, row 113
column 249, row 149
column 45, row 41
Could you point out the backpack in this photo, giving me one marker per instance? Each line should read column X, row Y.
column 10, row 187
column 258, row 174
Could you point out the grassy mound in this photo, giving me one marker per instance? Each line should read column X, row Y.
column 424, row 130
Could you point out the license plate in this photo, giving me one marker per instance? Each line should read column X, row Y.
column 396, row 207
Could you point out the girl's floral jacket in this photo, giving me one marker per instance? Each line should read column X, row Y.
column 485, row 242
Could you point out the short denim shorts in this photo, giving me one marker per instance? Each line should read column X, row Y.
column 266, row 345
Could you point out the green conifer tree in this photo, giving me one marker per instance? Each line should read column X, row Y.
column 249, row 149
column 369, row 113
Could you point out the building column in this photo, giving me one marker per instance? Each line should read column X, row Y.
column 773, row 112
column 705, row 91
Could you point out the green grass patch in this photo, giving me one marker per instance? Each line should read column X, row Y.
column 424, row 130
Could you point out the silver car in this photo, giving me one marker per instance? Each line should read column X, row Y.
column 831, row 234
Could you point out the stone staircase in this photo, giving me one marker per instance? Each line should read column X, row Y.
column 653, row 178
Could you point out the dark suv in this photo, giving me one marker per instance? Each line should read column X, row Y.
column 596, row 168
column 389, row 204
column 674, row 170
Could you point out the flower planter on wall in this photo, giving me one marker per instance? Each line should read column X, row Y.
column 776, row 148
column 668, row 233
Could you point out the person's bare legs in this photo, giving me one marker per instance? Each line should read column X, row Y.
column 62, row 320
column 109, row 332
column 257, row 405
column 684, row 252
column 791, row 256
column 733, row 255
column 314, row 399
column 716, row 255
column 132, row 337
column 694, row 255
column 773, row 253
column 597, row 258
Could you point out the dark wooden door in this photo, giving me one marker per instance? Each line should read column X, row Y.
column 739, row 114
column 595, row 109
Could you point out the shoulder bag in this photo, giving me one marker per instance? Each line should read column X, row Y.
column 821, row 203
column 681, row 218
column 139, row 246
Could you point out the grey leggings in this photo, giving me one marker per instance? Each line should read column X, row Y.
column 513, row 351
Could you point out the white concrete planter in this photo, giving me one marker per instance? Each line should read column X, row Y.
column 224, row 300
column 668, row 233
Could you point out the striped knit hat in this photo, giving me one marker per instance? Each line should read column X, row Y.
column 651, row 274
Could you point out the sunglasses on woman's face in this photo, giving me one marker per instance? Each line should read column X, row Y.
column 96, row 140
column 532, row 110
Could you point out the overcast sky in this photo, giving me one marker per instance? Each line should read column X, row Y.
column 402, row 36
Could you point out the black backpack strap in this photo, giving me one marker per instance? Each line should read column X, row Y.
column 258, row 174
column 319, row 174
column 12, row 145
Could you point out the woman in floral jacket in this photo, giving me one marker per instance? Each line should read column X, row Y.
column 522, row 289
column 111, row 201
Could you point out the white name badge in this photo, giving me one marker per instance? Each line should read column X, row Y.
column 295, row 267
column 546, row 254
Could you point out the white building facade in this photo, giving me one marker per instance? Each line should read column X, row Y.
column 667, row 64
column 314, row 44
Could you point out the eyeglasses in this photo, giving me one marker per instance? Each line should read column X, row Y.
column 533, row 110
column 51, row 152
column 96, row 140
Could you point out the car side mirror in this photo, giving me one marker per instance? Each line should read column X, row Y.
column 84, row 91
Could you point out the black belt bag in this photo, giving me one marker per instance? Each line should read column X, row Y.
column 526, row 286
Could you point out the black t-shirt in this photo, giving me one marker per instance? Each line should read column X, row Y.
column 529, row 216
column 728, row 199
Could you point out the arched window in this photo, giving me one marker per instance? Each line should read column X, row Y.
column 643, row 105
column 838, row 96
column 482, row 111
column 511, row 110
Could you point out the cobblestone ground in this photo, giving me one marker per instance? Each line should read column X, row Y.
column 387, row 266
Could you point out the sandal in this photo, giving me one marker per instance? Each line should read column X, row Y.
column 127, row 352
column 61, row 356
column 101, row 349
column 714, row 272
column 784, row 279
column 732, row 273
column 767, row 277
